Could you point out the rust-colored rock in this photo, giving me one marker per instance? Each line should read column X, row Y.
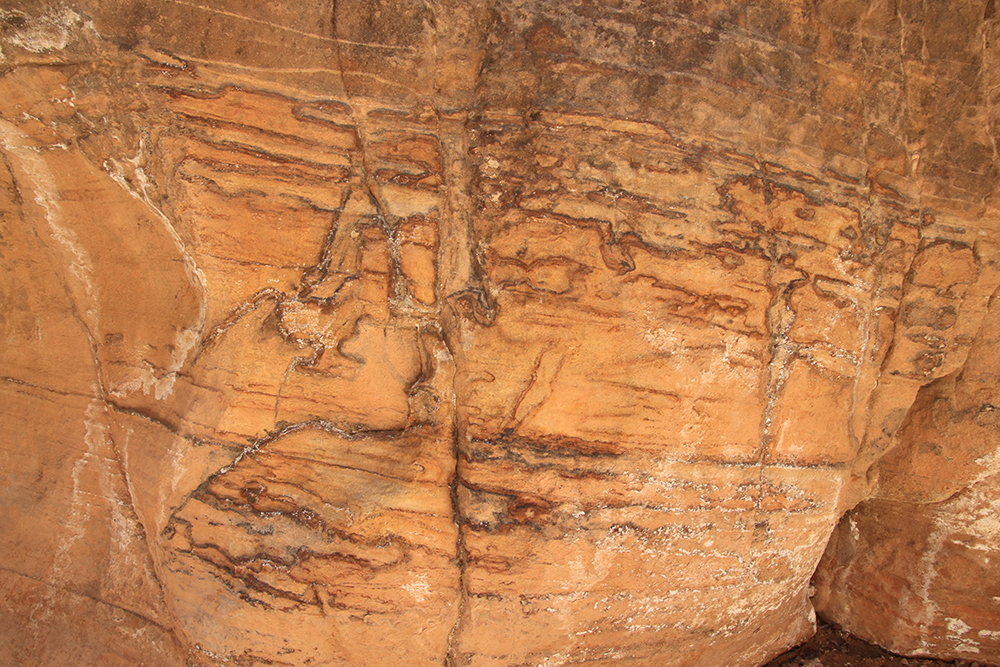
column 497, row 334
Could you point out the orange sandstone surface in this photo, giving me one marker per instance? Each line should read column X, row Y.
column 497, row 334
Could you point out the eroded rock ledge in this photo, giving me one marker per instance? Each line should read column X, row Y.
column 525, row 333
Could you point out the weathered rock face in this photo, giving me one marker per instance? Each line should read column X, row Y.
column 916, row 567
column 497, row 334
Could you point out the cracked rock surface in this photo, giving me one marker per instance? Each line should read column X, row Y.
column 376, row 332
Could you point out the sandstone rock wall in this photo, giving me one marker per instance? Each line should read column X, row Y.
column 524, row 333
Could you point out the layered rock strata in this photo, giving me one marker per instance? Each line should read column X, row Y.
column 480, row 334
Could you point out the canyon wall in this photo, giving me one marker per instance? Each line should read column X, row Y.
column 497, row 334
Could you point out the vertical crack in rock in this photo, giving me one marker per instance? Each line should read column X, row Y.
column 451, row 650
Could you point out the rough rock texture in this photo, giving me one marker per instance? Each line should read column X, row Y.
column 830, row 647
column 497, row 334
column 917, row 568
